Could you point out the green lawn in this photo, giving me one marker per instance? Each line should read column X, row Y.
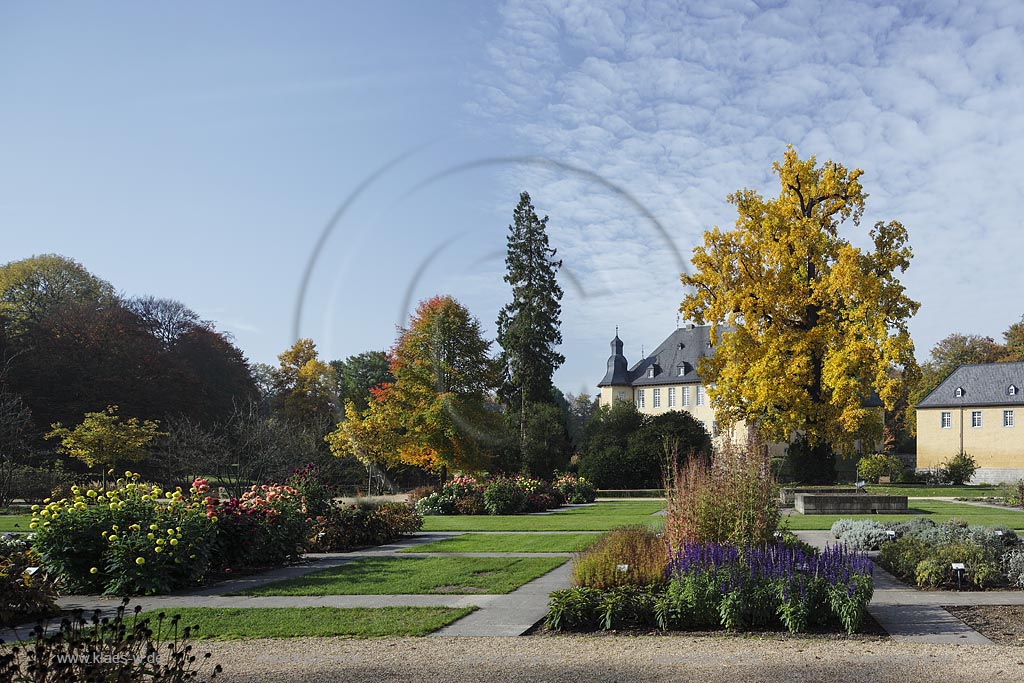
column 936, row 510
column 417, row 576
column 978, row 491
column 509, row 543
column 217, row 623
column 600, row 517
column 14, row 523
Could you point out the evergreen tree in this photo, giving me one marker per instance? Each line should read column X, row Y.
column 528, row 326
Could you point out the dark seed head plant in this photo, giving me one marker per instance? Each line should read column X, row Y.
column 118, row 649
column 734, row 499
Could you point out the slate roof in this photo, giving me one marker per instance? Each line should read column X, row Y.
column 985, row 384
column 683, row 348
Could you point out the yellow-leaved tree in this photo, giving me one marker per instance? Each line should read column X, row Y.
column 806, row 325
column 103, row 438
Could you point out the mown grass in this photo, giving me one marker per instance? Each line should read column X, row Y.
column 939, row 511
column 417, row 576
column 222, row 623
column 15, row 523
column 600, row 517
column 977, row 491
column 509, row 543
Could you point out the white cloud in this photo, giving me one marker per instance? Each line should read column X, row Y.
column 681, row 104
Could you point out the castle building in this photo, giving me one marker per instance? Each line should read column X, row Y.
column 666, row 379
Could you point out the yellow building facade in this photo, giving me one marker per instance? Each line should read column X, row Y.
column 976, row 410
column 667, row 379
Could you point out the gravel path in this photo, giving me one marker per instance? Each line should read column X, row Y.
column 611, row 658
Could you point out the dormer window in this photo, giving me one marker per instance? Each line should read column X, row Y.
column 682, row 370
column 959, row 392
column 650, row 372
column 1011, row 390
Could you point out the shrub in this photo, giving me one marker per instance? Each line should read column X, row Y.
column 316, row 494
column 735, row 499
column 34, row 484
column 346, row 527
column 1013, row 567
column 419, row 493
column 125, row 541
column 267, row 526
column 436, row 503
column 864, row 534
column 924, row 556
column 122, row 649
column 959, row 469
column 586, row 609
column 25, row 592
column 629, row 556
column 133, row 540
column 872, row 467
column 503, row 496
column 981, row 566
column 575, row 490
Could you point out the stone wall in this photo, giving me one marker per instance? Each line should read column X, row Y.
column 847, row 504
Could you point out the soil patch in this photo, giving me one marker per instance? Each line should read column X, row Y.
column 1002, row 624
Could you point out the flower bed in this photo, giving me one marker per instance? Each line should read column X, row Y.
column 733, row 587
column 346, row 527
column 136, row 539
column 923, row 554
column 502, row 495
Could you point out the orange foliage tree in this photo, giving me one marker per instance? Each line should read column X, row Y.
column 436, row 413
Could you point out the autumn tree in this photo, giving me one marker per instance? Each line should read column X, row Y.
column 805, row 324
column 303, row 385
column 103, row 438
column 1013, row 349
column 31, row 288
column 434, row 414
column 357, row 375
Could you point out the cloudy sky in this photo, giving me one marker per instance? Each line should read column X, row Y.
column 315, row 171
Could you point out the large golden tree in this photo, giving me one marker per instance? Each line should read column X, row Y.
column 806, row 324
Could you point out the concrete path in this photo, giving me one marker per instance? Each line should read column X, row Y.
column 515, row 613
column 511, row 614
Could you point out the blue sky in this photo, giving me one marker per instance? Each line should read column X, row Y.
column 197, row 151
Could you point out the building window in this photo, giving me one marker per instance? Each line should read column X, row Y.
column 700, row 395
column 622, row 395
column 1007, row 418
column 639, row 398
column 650, row 371
column 947, row 419
column 686, row 396
column 671, row 397
column 656, row 397
column 1011, row 390
column 682, row 370
column 959, row 393
column 976, row 419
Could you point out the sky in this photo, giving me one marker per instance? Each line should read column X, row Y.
column 315, row 169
